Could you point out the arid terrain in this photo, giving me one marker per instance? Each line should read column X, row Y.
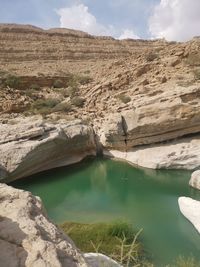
column 65, row 95
column 109, row 75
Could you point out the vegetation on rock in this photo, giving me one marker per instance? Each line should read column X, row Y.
column 12, row 81
column 124, row 98
column 117, row 240
column 78, row 101
column 58, row 84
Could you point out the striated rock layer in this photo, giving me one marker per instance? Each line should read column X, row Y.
column 31, row 145
column 171, row 114
column 180, row 154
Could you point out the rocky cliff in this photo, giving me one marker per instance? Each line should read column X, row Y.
column 136, row 96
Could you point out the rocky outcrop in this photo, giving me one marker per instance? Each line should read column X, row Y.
column 28, row 238
column 195, row 180
column 30, row 145
column 179, row 154
column 190, row 208
column 154, row 119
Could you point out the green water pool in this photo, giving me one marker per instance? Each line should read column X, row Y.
column 102, row 190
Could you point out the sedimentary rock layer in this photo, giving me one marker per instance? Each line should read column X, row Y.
column 171, row 114
column 31, row 145
column 28, row 43
column 180, row 154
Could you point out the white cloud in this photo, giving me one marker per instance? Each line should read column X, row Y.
column 78, row 17
column 128, row 34
column 176, row 20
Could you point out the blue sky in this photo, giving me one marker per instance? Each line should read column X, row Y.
column 171, row 19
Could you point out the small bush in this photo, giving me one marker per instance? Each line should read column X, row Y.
column 151, row 56
column 63, row 107
column 50, row 103
column 84, row 79
column 72, row 91
column 44, row 106
column 30, row 93
column 12, row 81
column 124, row 98
column 58, row 84
column 35, row 87
column 72, row 81
column 78, row 101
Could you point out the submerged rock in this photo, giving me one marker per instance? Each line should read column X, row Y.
column 28, row 238
column 190, row 208
column 30, row 145
column 195, row 180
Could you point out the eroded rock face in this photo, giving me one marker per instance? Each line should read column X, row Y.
column 195, row 180
column 180, row 154
column 30, row 145
column 28, row 238
column 190, row 208
column 157, row 118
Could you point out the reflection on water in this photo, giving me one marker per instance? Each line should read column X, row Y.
column 99, row 190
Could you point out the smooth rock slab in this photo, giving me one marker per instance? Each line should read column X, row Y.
column 181, row 154
column 31, row 145
column 100, row 260
column 190, row 208
column 195, row 180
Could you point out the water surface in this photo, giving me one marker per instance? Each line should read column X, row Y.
column 102, row 190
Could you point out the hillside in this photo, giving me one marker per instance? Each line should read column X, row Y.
column 131, row 92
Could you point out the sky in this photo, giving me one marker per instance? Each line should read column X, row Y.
column 174, row 20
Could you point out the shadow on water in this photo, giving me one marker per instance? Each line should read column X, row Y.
column 102, row 190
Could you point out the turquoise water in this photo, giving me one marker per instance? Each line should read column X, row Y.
column 102, row 190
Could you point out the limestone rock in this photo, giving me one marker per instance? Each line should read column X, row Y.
column 100, row 260
column 195, row 180
column 154, row 119
column 181, row 154
column 190, row 208
column 28, row 238
column 30, row 145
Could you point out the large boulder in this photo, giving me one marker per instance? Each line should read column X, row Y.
column 30, row 145
column 190, row 208
column 195, row 180
column 28, row 238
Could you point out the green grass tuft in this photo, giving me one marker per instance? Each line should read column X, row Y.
column 117, row 240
